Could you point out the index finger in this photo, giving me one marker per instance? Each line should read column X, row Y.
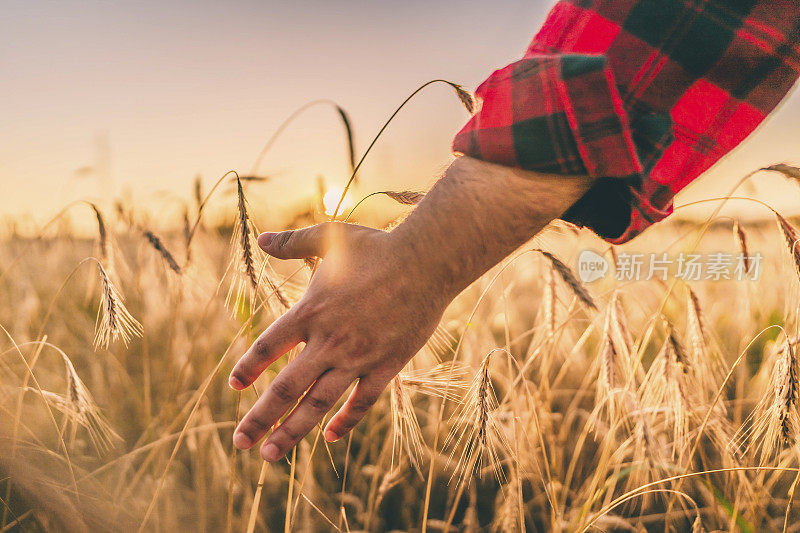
column 284, row 391
column 280, row 337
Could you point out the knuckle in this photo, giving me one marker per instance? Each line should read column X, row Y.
column 318, row 402
column 292, row 434
column 361, row 347
column 261, row 347
column 362, row 404
column 255, row 424
column 282, row 390
column 334, row 339
column 306, row 311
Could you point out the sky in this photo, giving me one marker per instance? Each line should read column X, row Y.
column 136, row 99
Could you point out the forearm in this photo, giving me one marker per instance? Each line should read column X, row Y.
column 477, row 214
column 377, row 297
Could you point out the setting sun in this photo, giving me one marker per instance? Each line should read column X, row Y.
column 331, row 199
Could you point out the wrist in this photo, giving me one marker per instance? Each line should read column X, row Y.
column 431, row 268
column 440, row 242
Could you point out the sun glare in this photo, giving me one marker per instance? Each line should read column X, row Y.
column 331, row 200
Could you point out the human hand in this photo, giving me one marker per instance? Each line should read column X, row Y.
column 369, row 308
column 377, row 297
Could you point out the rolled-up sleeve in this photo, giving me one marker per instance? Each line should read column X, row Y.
column 558, row 113
column 643, row 95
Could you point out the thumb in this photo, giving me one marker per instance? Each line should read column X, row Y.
column 313, row 241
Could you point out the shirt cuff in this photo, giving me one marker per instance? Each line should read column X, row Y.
column 555, row 113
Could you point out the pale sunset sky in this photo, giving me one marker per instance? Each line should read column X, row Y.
column 177, row 89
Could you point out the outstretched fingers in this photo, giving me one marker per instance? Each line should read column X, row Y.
column 284, row 391
column 364, row 395
column 280, row 337
column 309, row 412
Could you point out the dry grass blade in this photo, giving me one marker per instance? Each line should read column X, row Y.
column 159, row 246
column 791, row 237
column 113, row 319
column 566, row 274
column 405, row 197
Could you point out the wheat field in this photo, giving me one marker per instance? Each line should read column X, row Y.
column 542, row 403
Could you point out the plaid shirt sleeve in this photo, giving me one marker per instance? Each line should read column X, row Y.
column 643, row 95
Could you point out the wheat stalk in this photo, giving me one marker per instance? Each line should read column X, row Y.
column 774, row 424
column 618, row 327
column 613, row 395
column 401, row 197
column 671, row 392
column 406, row 433
column 198, row 193
column 741, row 241
column 245, row 236
column 85, row 411
column 114, row 321
column 549, row 304
column 789, row 171
column 465, row 96
column 445, row 380
column 791, row 237
column 405, row 197
column 187, row 235
column 476, row 431
column 159, row 246
column 245, row 256
column 102, row 232
column 342, row 115
column 565, row 273
column 783, row 426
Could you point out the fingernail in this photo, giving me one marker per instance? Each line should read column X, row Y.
column 235, row 384
column 264, row 239
column 270, row 453
column 330, row 436
column 241, row 440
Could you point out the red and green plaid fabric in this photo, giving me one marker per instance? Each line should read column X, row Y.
column 643, row 95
